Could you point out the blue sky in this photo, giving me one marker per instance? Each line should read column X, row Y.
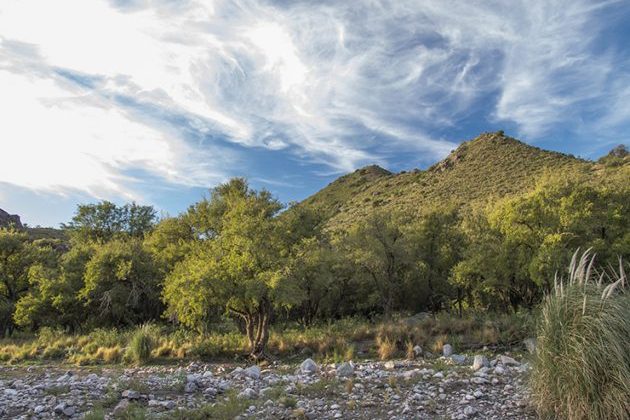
column 157, row 101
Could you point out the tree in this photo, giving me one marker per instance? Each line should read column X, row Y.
column 121, row 284
column 17, row 255
column 311, row 269
column 437, row 246
column 239, row 263
column 105, row 221
column 52, row 298
column 379, row 250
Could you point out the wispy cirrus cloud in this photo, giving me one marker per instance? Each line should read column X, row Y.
column 188, row 92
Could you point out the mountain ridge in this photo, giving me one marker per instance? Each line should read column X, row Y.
column 484, row 169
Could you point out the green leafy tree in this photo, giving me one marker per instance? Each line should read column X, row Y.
column 437, row 244
column 238, row 265
column 52, row 298
column 381, row 253
column 17, row 255
column 121, row 284
column 105, row 221
column 311, row 268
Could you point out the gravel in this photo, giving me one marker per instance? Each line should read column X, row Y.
column 419, row 389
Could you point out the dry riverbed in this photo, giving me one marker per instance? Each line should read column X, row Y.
column 457, row 387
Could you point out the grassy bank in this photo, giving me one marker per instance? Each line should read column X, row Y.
column 342, row 340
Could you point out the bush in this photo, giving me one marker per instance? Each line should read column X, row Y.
column 140, row 345
column 582, row 364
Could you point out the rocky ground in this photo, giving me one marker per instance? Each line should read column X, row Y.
column 453, row 386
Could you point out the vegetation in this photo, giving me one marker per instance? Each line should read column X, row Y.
column 483, row 231
column 582, row 364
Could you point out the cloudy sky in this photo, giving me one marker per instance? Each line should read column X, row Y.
column 156, row 101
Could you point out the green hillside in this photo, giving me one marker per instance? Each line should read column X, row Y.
column 486, row 168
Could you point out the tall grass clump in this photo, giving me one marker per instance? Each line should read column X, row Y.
column 581, row 366
column 141, row 344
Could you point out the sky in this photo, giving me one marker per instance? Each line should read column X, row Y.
column 158, row 101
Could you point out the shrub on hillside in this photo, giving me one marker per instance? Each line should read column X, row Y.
column 582, row 363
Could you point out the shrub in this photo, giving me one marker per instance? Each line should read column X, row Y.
column 140, row 345
column 582, row 364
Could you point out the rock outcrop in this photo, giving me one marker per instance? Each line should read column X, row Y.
column 10, row 220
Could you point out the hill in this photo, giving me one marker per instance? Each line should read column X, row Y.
column 481, row 170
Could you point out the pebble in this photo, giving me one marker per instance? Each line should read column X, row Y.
column 404, row 389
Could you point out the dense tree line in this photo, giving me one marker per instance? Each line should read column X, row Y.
column 237, row 254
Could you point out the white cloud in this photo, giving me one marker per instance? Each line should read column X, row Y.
column 337, row 83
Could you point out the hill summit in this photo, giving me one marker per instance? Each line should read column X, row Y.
column 486, row 168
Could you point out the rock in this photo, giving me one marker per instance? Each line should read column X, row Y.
column 59, row 408
column 458, row 359
column 478, row 394
column 192, row 378
column 309, row 367
column 530, row 344
column 207, row 374
column 469, row 411
column 10, row 392
column 479, row 362
column 169, row 405
column 130, row 394
column 121, row 407
column 508, row 361
column 210, row 391
column 499, row 370
column 248, row 393
column 69, row 411
column 10, row 220
column 345, row 370
column 389, row 365
column 252, row 372
column 438, row 375
column 39, row 409
column 190, row 387
column 417, row 351
column 92, row 377
column 447, row 350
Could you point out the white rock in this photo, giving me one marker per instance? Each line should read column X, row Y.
column 190, row 387
column 438, row 375
column 447, row 350
column 458, row 359
column 10, row 392
column 39, row 409
column 59, row 408
column 479, row 362
column 252, row 372
column 478, row 394
column 345, row 370
column 499, row 370
column 389, row 365
column 120, row 408
column 192, row 378
column 508, row 361
column 248, row 393
column 469, row 411
column 417, row 350
column 309, row 367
